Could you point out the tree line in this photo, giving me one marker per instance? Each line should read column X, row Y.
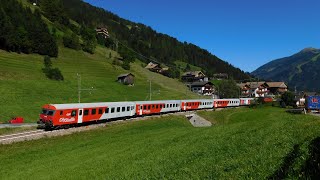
column 146, row 41
column 23, row 30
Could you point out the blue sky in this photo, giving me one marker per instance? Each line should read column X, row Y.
column 245, row 33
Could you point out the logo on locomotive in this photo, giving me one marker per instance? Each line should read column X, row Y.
column 67, row 119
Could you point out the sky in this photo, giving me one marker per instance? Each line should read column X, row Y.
column 245, row 33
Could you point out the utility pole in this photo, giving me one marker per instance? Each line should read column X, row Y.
column 79, row 88
column 150, row 90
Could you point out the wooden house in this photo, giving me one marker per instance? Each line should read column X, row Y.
column 127, row 79
column 203, row 88
column 277, row 88
column 194, row 76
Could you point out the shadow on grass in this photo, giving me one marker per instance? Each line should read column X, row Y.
column 287, row 163
column 310, row 168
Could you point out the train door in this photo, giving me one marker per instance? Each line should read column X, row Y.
column 140, row 110
column 80, row 115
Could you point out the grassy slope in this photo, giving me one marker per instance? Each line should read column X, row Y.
column 24, row 87
column 241, row 145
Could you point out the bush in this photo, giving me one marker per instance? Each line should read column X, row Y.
column 55, row 73
column 71, row 41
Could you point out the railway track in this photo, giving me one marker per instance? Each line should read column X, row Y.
column 20, row 136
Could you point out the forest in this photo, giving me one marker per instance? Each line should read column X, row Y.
column 22, row 30
column 27, row 31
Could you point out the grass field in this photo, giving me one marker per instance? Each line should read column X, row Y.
column 24, row 87
column 243, row 144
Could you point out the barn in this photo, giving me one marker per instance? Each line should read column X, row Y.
column 127, row 79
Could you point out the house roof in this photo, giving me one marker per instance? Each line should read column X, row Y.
column 151, row 65
column 277, row 84
column 242, row 85
column 200, row 83
column 256, row 85
column 193, row 73
column 125, row 75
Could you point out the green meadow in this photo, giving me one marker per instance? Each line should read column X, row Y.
column 25, row 88
column 244, row 143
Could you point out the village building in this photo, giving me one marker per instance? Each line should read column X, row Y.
column 194, row 76
column 258, row 89
column 245, row 89
column 127, row 79
column 103, row 32
column 202, row 88
column 277, row 88
column 154, row 67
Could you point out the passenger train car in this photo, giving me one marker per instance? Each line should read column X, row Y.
column 64, row 115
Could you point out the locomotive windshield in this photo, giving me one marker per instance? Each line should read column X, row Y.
column 44, row 111
column 47, row 112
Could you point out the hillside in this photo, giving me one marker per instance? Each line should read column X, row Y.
column 25, row 88
column 300, row 70
column 127, row 36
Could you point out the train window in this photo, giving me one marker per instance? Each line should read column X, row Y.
column 112, row 110
column 171, row 105
column 61, row 113
column 152, row 106
column 160, row 106
column 50, row 113
column 74, row 113
column 144, row 107
column 86, row 112
column 132, row 107
column 118, row 109
column 123, row 109
column 80, row 112
column 100, row 111
column 44, row 111
column 128, row 108
column 106, row 110
column 157, row 106
column 93, row 111
column 149, row 107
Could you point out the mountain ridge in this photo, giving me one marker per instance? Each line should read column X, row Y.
column 299, row 70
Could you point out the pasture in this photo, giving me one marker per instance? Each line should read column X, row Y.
column 25, row 88
column 244, row 143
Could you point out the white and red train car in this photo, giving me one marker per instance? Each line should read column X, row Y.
column 246, row 101
column 194, row 104
column 64, row 115
column 156, row 107
column 53, row 115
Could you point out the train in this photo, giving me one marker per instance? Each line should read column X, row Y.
column 54, row 116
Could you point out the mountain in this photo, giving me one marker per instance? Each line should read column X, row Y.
column 300, row 71
column 72, row 23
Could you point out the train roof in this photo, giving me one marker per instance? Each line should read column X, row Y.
column 157, row 102
column 90, row 105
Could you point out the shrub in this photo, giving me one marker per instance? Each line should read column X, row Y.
column 71, row 41
column 55, row 73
